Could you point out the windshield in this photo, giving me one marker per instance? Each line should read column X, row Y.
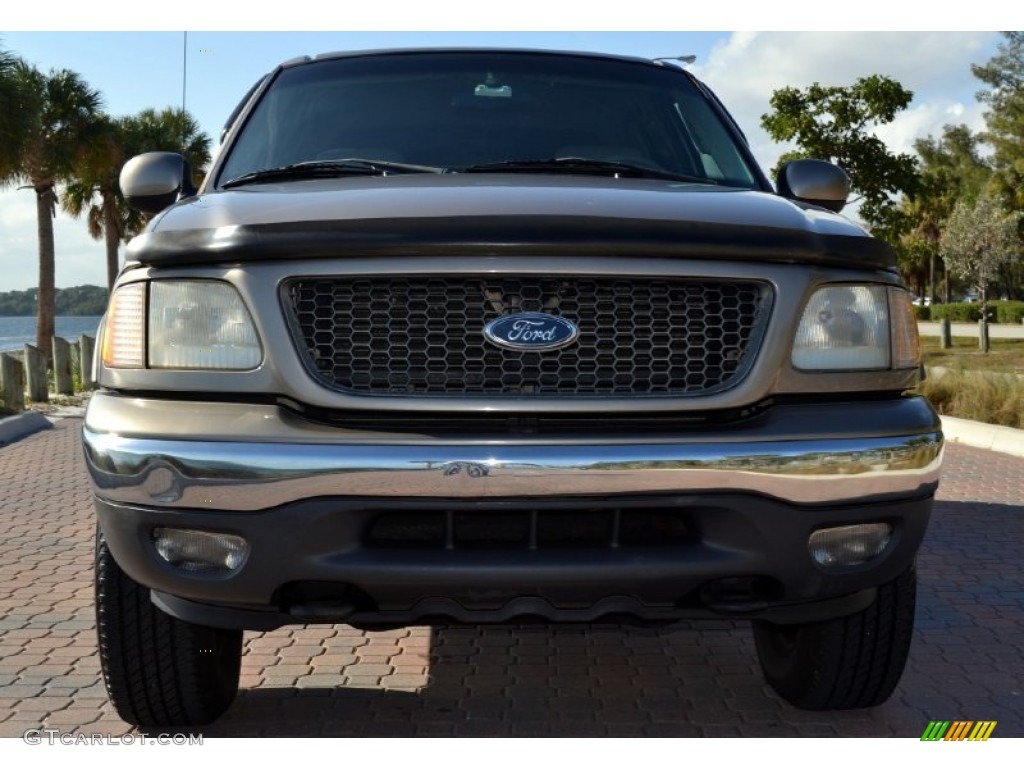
column 456, row 110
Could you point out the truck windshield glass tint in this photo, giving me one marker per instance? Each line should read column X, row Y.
column 463, row 109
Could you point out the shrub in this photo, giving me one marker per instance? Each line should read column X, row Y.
column 1009, row 311
column 970, row 312
column 922, row 313
column 960, row 312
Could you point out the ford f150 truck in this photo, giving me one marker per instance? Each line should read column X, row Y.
column 493, row 336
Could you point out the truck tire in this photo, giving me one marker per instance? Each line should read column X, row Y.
column 844, row 663
column 159, row 670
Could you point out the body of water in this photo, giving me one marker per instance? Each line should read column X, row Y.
column 15, row 332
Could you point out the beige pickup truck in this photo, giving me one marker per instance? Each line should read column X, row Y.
column 494, row 336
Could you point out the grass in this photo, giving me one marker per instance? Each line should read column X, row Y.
column 1006, row 355
column 978, row 396
column 975, row 385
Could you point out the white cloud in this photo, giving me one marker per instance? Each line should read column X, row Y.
column 79, row 259
column 744, row 70
column 928, row 119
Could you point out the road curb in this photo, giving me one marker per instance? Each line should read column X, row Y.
column 987, row 436
column 22, row 425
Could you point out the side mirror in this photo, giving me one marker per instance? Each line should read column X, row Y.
column 814, row 181
column 152, row 181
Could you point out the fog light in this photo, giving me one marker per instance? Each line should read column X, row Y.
column 200, row 551
column 849, row 544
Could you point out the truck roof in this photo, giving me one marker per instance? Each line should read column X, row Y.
column 300, row 60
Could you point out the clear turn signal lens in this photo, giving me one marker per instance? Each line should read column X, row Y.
column 200, row 325
column 844, row 328
column 124, row 340
column 906, row 346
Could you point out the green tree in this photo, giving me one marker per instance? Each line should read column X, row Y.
column 915, row 255
column 82, row 300
column 92, row 191
column 171, row 130
column 87, row 300
column 56, row 122
column 836, row 123
column 95, row 191
column 1004, row 131
column 977, row 239
column 13, row 127
column 1004, row 120
column 952, row 169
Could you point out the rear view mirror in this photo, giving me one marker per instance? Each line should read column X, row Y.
column 814, row 181
column 152, row 181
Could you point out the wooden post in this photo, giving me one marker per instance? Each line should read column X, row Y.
column 62, row 367
column 12, row 383
column 88, row 344
column 946, row 333
column 37, row 374
column 76, row 363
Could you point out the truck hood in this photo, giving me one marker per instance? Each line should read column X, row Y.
column 500, row 214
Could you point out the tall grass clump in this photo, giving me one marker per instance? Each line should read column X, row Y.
column 991, row 398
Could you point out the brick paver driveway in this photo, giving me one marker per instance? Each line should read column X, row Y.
column 967, row 660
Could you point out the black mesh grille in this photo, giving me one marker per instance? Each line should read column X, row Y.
column 424, row 336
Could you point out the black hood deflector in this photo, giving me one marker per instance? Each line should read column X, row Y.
column 501, row 215
column 506, row 236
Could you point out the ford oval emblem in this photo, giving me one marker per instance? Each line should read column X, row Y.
column 531, row 332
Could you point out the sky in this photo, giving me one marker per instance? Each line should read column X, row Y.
column 135, row 69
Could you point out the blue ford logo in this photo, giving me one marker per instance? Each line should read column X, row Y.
column 531, row 331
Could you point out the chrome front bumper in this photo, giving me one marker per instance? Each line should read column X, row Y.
column 240, row 457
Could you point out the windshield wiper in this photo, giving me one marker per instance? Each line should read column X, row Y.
column 315, row 169
column 581, row 165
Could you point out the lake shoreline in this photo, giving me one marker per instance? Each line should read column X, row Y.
column 18, row 330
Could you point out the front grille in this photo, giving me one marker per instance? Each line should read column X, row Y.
column 544, row 529
column 424, row 335
column 547, row 424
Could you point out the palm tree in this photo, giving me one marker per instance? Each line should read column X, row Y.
column 57, row 116
column 95, row 191
column 97, row 175
column 12, row 120
column 172, row 130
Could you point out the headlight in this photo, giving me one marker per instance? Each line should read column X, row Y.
column 185, row 324
column 856, row 328
column 200, row 324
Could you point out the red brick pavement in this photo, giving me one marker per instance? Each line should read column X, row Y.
column 967, row 661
